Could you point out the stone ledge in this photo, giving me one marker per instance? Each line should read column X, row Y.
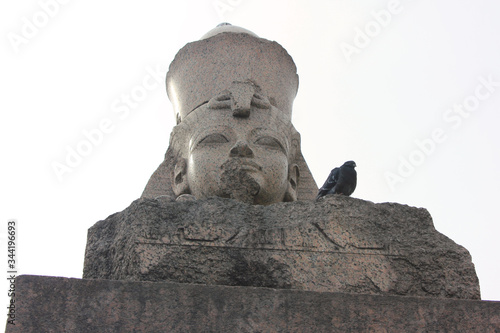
column 54, row 304
column 336, row 244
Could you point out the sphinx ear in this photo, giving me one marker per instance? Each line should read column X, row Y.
column 180, row 183
column 293, row 182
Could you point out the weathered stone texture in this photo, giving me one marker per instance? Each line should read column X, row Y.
column 337, row 244
column 51, row 304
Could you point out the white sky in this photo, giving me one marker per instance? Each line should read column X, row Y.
column 73, row 71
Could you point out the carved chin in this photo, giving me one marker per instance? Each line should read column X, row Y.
column 237, row 182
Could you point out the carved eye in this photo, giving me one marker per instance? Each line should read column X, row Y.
column 213, row 139
column 269, row 142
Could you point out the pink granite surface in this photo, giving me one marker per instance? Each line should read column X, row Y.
column 52, row 304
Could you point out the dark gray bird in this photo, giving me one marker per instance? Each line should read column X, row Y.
column 340, row 181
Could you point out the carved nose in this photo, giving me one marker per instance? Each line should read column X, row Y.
column 241, row 149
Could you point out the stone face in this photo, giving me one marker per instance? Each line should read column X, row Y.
column 244, row 157
column 160, row 183
column 51, row 304
column 337, row 244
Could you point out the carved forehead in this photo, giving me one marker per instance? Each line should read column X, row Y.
column 205, row 120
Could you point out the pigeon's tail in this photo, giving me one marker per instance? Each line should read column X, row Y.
column 321, row 193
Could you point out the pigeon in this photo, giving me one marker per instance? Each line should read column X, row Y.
column 340, row 181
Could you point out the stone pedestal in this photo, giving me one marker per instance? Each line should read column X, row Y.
column 336, row 244
column 50, row 304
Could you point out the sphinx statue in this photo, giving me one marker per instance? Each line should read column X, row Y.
column 233, row 201
column 232, row 94
column 229, row 220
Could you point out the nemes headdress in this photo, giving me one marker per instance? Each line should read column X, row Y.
column 225, row 55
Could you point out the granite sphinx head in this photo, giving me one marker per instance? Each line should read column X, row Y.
column 232, row 94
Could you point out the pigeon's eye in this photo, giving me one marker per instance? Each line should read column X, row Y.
column 215, row 138
column 269, row 142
